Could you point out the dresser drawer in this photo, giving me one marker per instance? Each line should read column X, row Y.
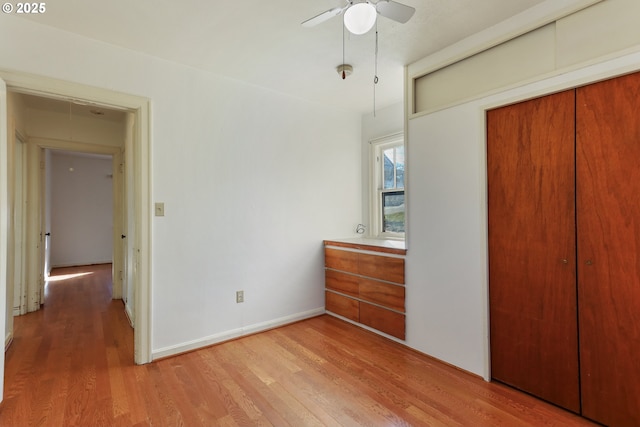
column 344, row 306
column 343, row 283
column 385, row 294
column 387, row 321
column 341, row 260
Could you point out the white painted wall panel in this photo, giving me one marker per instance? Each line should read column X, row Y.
column 445, row 264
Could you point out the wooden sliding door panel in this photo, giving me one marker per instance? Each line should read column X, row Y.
column 532, row 276
column 608, row 203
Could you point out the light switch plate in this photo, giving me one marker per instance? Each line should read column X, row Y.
column 159, row 209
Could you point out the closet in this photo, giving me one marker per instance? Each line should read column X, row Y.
column 563, row 175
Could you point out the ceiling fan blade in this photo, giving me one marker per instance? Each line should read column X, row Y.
column 394, row 10
column 324, row 16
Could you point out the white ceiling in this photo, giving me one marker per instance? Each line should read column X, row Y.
column 263, row 43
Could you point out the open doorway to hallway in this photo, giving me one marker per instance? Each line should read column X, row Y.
column 80, row 220
column 136, row 170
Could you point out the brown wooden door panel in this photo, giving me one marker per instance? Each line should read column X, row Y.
column 608, row 203
column 532, row 279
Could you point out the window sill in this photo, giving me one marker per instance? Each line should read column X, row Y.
column 391, row 246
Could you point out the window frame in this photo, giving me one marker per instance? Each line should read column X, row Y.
column 376, row 185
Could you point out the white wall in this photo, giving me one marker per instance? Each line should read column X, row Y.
column 445, row 265
column 252, row 181
column 81, row 210
column 447, row 296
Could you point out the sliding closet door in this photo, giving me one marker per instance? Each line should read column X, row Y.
column 608, row 203
column 532, row 266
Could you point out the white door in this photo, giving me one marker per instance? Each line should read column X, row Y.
column 4, row 220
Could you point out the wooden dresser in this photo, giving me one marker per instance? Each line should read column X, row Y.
column 364, row 282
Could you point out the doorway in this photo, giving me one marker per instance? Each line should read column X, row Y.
column 137, row 180
column 79, row 211
column 63, row 134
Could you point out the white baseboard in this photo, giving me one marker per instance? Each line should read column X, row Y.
column 8, row 340
column 129, row 313
column 232, row 334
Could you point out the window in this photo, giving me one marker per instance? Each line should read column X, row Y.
column 387, row 183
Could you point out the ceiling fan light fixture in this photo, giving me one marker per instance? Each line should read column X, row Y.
column 344, row 70
column 360, row 17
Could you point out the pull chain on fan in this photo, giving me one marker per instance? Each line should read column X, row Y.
column 344, row 75
column 344, row 70
column 375, row 73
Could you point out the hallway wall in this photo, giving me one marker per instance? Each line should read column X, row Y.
column 81, row 209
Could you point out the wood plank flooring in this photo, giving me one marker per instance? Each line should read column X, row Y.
column 71, row 364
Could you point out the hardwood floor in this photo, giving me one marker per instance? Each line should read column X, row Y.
column 71, row 364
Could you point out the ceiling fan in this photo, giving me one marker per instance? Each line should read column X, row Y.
column 360, row 15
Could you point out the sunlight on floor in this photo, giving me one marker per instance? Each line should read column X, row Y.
column 67, row 276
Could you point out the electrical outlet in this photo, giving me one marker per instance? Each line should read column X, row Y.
column 239, row 296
